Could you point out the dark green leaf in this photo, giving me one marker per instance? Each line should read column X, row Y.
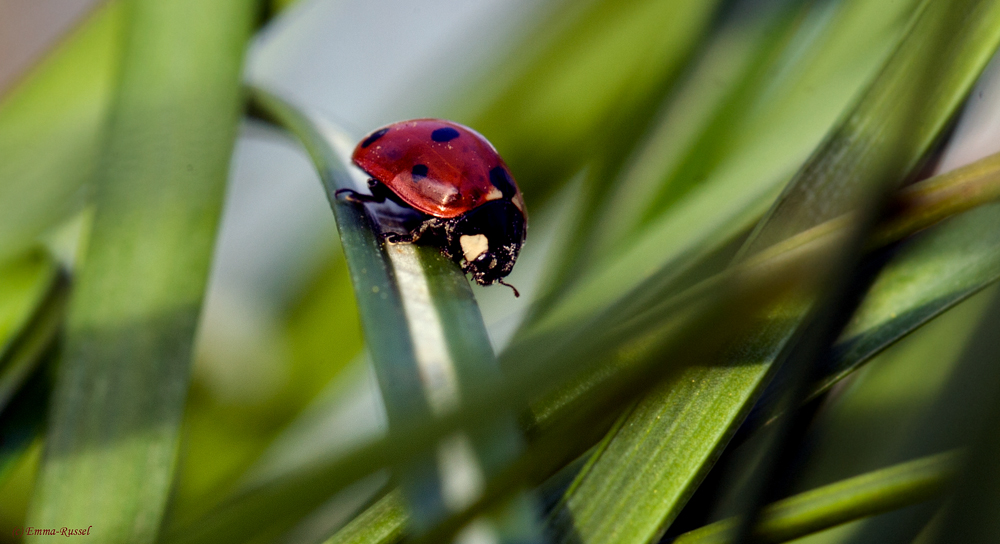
column 821, row 508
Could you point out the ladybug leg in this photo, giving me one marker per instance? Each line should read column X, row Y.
column 430, row 225
column 379, row 194
column 379, row 190
column 396, row 238
column 351, row 195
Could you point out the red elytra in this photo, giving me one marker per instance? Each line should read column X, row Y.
column 438, row 167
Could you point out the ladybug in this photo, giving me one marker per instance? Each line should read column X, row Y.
column 468, row 203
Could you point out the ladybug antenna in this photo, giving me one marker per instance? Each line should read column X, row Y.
column 501, row 282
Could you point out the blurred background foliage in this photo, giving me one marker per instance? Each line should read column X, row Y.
column 649, row 138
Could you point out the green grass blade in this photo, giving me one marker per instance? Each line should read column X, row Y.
column 382, row 523
column 626, row 56
column 623, row 55
column 892, row 126
column 790, row 118
column 51, row 129
column 119, row 396
column 272, row 506
column 868, row 426
column 878, row 144
column 642, row 478
column 968, row 413
column 962, row 414
column 936, row 279
column 918, row 207
column 620, row 182
column 723, row 206
column 424, row 330
column 949, row 264
column 24, row 284
column 695, row 130
column 945, row 266
column 23, row 419
column 33, row 293
column 22, row 357
column 858, row 497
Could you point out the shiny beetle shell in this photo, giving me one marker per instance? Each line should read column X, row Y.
column 439, row 167
column 455, row 177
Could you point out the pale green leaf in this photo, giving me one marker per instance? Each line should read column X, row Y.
column 122, row 379
column 51, row 129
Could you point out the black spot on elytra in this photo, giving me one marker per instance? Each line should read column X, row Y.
column 445, row 134
column 373, row 138
column 501, row 180
column 419, row 171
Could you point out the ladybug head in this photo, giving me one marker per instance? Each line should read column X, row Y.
column 487, row 239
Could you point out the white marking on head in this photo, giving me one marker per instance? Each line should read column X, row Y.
column 473, row 246
column 494, row 194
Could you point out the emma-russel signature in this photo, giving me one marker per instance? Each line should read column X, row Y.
column 62, row 531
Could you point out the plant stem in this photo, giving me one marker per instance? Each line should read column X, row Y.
column 847, row 500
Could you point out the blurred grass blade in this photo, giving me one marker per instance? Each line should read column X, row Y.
column 23, row 419
column 272, row 506
column 917, row 207
column 426, row 336
column 699, row 126
column 963, row 414
column 789, row 119
column 869, row 154
column 946, row 50
column 670, row 440
column 26, row 344
column 719, row 209
column 624, row 54
column 617, row 182
column 967, row 413
column 24, row 284
column 861, row 496
column 33, row 292
column 949, row 264
column 382, row 523
column 52, row 127
column 119, row 395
